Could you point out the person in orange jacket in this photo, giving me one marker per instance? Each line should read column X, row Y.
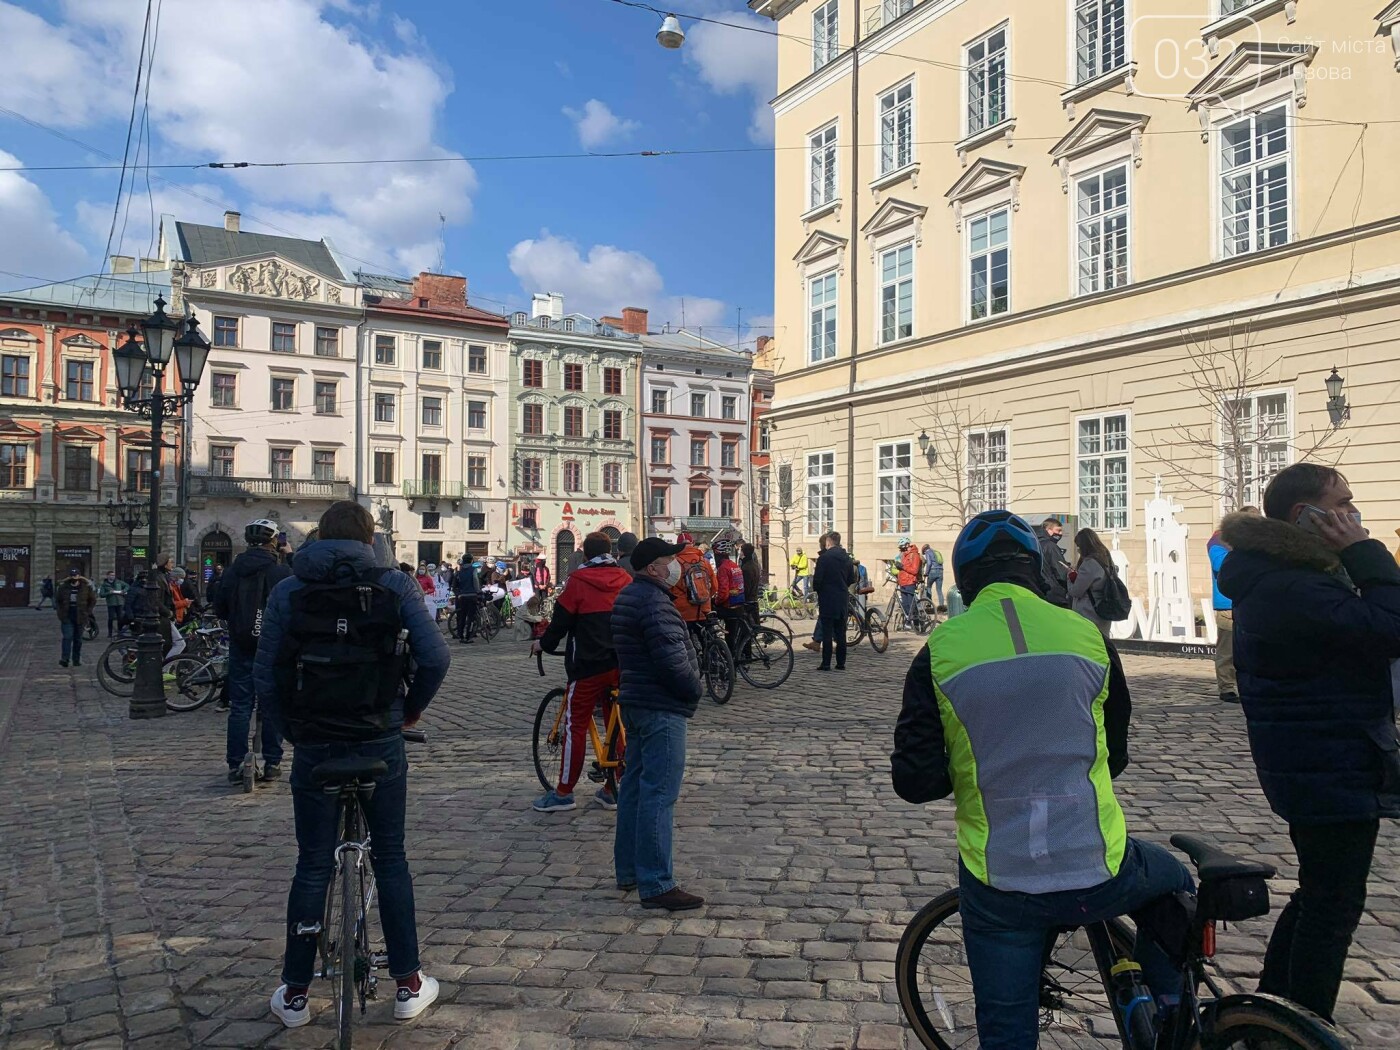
column 911, row 564
column 694, row 595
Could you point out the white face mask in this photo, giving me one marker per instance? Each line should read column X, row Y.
column 673, row 573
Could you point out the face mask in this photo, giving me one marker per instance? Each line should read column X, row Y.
column 1355, row 516
column 673, row 574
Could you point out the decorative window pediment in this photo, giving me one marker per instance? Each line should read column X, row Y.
column 895, row 216
column 1389, row 25
column 1253, row 64
column 819, row 246
column 983, row 177
column 81, row 342
column 1099, row 128
column 79, row 433
column 18, row 333
column 10, row 428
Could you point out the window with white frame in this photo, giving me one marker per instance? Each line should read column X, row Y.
column 892, row 9
column 1101, row 455
column 826, row 36
column 658, row 501
column 897, row 128
column 1230, row 7
column 1102, row 223
column 894, row 487
column 821, row 149
column 728, row 407
column 821, row 300
column 1255, row 435
column 658, row 402
column 989, row 264
column 699, row 405
column 1254, row 182
column 821, row 492
column 763, row 487
column 660, row 449
column 986, row 82
column 1100, row 38
column 897, row 293
column 987, row 465
column 612, row 478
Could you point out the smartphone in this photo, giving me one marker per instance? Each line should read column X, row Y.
column 1310, row 518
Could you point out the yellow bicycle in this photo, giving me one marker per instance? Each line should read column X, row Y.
column 609, row 746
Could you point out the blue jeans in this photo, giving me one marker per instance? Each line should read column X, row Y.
column 1005, row 934
column 906, row 602
column 932, row 583
column 240, row 713
column 646, row 799
column 317, row 832
column 72, row 641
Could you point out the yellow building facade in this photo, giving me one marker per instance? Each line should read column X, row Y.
column 1043, row 253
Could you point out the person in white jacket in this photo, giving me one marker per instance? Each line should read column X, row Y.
column 1086, row 579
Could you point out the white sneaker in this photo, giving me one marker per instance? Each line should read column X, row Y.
column 408, row 1005
column 294, row 1015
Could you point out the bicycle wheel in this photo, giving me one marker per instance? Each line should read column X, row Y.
column 768, row 661
column 196, row 682
column 549, row 736
column 935, row 986
column 855, row 627
column 345, row 976
column 116, row 686
column 118, row 661
column 775, row 622
column 717, row 665
column 876, row 630
column 616, row 753
column 928, row 614
column 487, row 625
column 1248, row 1021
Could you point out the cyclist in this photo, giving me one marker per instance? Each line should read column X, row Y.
column 694, row 595
column 801, row 567
column 729, row 592
column 753, row 582
column 239, row 602
column 330, row 706
column 911, row 564
column 583, row 616
column 466, row 586
column 1020, row 710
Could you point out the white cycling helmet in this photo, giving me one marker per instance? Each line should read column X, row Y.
column 260, row 532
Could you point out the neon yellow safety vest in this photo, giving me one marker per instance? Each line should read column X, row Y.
column 1021, row 686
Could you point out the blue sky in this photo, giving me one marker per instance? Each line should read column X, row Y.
column 376, row 79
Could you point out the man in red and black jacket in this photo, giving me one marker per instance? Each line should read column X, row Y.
column 583, row 616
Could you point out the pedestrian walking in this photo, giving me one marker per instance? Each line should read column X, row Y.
column 659, row 691
column 1054, row 568
column 933, row 574
column 1086, row 580
column 1225, row 683
column 45, row 593
column 1316, row 606
column 112, row 592
column 74, row 602
column 831, row 579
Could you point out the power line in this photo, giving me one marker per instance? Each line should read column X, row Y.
column 126, row 151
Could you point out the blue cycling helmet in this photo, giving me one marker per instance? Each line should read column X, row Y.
column 987, row 528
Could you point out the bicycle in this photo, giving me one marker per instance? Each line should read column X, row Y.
column 924, row 620
column 196, row 680
column 608, row 750
column 343, row 934
column 866, row 622
column 761, row 655
column 116, row 667
column 935, row 991
column 800, row 606
column 716, row 661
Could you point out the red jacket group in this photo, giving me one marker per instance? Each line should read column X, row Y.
column 583, row 614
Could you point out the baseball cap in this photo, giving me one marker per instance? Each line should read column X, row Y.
column 651, row 548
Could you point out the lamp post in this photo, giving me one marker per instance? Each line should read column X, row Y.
column 139, row 363
column 127, row 516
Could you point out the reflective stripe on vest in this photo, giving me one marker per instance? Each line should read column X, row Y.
column 1021, row 686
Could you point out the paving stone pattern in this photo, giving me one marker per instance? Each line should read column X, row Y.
column 143, row 899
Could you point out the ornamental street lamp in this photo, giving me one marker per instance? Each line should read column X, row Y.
column 1337, row 407
column 128, row 516
column 141, row 367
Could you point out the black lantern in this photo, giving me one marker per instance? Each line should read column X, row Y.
column 1334, row 384
column 191, row 351
column 928, row 448
column 160, row 330
column 131, row 364
column 1337, row 407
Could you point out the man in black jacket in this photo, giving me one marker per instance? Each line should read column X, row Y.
column 466, row 588
column 660, row 688
column 831, row 580
column 1317, row 622
column 1054, row 568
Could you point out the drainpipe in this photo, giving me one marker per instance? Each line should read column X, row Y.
column 855, row 286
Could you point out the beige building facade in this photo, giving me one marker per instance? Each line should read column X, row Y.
column 1041, row 255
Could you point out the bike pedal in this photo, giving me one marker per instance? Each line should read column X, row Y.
column 597, row 776
column 378, row 960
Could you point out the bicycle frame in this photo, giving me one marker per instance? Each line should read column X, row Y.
column 614, row 731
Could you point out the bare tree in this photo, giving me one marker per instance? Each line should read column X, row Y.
column 787, row 500
column 966, row 469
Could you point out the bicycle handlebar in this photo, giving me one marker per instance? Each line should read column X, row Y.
column 415, row 736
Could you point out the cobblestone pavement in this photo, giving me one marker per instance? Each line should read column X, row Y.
column 143, row 900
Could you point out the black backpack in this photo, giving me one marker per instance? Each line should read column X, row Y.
column 246, row 603
column 1113, row 602
column 342, row 663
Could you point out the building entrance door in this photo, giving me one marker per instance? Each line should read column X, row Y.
column 14, row 576
column 563, row 548
column 67, row 558
column 430, row 551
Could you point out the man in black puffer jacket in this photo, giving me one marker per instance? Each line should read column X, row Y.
column 1317, row 622
column 660, row 688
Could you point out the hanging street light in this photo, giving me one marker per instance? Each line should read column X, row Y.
column 928, row 448
column 670, row 36
column 1337, row 407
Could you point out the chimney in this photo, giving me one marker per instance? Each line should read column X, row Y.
column 231, row 221
column 611, row 322
column 556, row 306
column 440, row 290
column 123, row 264
column 540, row 305
column 634, row 320
column 148, row 264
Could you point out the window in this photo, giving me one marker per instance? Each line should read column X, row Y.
column 658, row 402
column 657, row 503
column 327, row 342
column 529, row 518
column 986, row 82
column 698, row 452
column 77, row 468
column 573, row 476
column 432, row 355
column 14, row 376
column 533, row 419
column 284, row 337
column 1102, row 230
column 432, row 521
column 765, row 438
column 612, row 424
column 281, row 464
column 476, row 360
column 894, row 8
column 225, row 331
column 138, row 470
column 573, row 377
column 1229, row 7
column 573, row 421
column 729, row 407
column 326, row 398
column 897, row 128
column 1099, row 38
column 221, row 461
column 729, row 453
column 897, row 293
column 699, row 405
column 432, row 411
column 784, row 484
column 821, row 492
column 826, row 36
column 476, row 415
column 323, row 464
column 383, row 408
column 894, row 487
column 989, row 265
column 612, row 478
column 383, row 468
column 385, row 349
column 476, row 521
column 660, row 449
column 283, row 394
column 532, row 372
column 699, row 501
column 821, row 159
column 79, row 382
column 1254, row 182
column 1101, row 453
column 1257, row 430
column 763, row 487
column 612, row 381
column 223, row 389
column 726, row 503
column 986, row 470
column 531, row 475
column 432, row 471
column 476, row 472
column 821, row 343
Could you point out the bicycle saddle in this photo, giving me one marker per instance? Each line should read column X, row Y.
column 344, row 770
column 1214, row 863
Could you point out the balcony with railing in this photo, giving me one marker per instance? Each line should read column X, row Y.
column 217, row 487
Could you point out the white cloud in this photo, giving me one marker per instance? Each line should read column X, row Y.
column 597, row 125
column 56, row 74
column 732, row 61
column 32, row 241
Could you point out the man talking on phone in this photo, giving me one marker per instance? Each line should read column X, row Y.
column 1317, row 622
